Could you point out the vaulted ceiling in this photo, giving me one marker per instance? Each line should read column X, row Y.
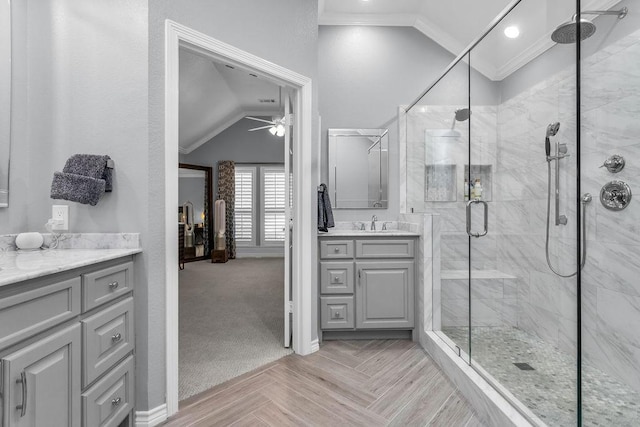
column 214, row 96
column 454, row 24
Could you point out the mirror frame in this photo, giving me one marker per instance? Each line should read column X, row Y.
column 208, row 170
column 333, row 135
column 6, row 89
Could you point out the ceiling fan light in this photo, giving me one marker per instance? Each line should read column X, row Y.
column 280, row 130
column 273, row 130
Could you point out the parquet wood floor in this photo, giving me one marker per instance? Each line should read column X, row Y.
column 346, row 383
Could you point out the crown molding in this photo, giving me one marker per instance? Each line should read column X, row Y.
column 386, row 20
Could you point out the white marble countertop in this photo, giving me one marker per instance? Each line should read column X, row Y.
column 367, row 233
column 16, row 266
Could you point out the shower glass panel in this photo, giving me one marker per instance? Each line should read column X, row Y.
column 437, row 138
column 523, row 317
column 610, row 284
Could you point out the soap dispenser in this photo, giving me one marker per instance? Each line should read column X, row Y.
column 477, row 189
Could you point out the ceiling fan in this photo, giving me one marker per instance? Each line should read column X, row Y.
column 276, row 125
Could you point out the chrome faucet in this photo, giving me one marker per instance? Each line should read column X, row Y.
column 373, row 222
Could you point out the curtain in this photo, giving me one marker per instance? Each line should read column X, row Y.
column 226, row 192
column 207, row 215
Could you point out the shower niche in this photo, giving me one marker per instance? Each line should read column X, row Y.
column 483, row 173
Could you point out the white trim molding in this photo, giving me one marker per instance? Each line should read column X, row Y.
column 304, row 235
column 152, row 417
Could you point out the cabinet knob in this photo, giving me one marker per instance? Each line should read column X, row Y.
column 116, row 401
column 114, row 285
column 336, row 250
column 336, row 315
column 115, row 338
column 336, row 279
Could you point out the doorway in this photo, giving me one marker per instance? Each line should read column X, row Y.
column 302, row 233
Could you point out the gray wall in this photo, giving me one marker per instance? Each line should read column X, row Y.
column 284, row 32
column 365, row 74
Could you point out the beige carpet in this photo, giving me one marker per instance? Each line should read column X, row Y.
column 231, row 320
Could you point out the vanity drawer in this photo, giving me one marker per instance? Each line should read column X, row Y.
column 331, row 249
column 105, row 285
column 337, row 313
column 107, row 338
column 384, row 248
column 27, row 313
column 111, row 399
column 336, row 277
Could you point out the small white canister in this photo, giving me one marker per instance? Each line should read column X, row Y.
column 29, row 241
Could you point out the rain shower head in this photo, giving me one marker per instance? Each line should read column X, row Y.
column 567, row 32
column 463, row 114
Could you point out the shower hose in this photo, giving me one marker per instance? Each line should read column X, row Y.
column 583, row 228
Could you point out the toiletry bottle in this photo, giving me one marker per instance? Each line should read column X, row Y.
column 466, row 190
column 477, row 189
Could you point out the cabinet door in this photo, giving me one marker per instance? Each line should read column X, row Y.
column 384, row 294
column 42, row 382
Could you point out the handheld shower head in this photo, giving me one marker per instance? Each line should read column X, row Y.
column 552, row 130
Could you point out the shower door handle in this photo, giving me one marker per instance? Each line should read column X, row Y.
column 486, row 218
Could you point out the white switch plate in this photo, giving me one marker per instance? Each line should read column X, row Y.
column 60, row 214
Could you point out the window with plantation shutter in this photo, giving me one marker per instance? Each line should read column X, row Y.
column 273, row 208
column 245, row 205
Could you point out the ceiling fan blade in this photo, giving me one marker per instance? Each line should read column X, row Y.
column 260, row 120
column 260, row 128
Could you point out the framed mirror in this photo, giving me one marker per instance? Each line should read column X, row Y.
column 359, row 168
column 5, row 100
column 195, row 222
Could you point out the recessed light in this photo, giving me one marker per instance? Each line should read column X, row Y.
column 512, row 32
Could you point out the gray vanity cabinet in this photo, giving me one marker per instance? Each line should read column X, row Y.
column 366, row 283
column 42, row 382
column 65, row 363
column 385, row 294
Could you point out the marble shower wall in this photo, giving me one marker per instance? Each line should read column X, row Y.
column 610, row 107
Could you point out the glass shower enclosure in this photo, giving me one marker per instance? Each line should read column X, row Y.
column 538, row 283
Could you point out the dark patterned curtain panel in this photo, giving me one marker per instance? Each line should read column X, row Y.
column 227, row 192
column 206, row 219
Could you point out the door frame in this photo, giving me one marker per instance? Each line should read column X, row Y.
column 179, row 36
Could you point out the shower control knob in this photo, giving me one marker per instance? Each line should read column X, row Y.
column 615, row 195
column 614, row 164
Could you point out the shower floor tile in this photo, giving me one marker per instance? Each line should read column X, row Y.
column 549, row 389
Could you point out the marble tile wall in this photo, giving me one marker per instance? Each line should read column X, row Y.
column 610, row 107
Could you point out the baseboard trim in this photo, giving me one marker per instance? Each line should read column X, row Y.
column 315, row 345
column 152, row 417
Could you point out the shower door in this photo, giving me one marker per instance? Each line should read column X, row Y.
column 524, row 317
